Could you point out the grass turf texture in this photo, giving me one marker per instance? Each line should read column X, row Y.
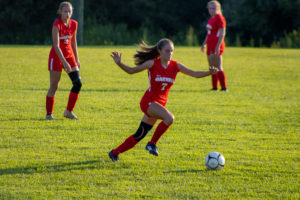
column 255, row 126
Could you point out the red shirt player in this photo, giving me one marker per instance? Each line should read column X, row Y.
column 215, row 44
column 162, row 73
column 63, row 55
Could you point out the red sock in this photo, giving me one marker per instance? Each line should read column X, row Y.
column 160, row 130
column 49, row 105
column 129, row 143
column 215, row 80
column 222, row 78
column 72, row 101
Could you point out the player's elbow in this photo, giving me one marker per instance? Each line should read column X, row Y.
column 56, row 48
column 130, row 71
column 198, row 75
column 223, row 34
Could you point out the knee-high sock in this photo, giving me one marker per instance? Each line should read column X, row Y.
column 222, row 78
column 160, row 130
column 72, row 101
column 129, row 143
column 215, row 80
column 49, row 104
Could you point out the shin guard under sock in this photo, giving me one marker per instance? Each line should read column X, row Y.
column 221, row 76
column 215, row 80
column 129, row 143
column 49, row 105
column 72, row 101
column 160, row 130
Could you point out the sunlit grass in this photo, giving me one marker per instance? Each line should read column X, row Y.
column 255, row 126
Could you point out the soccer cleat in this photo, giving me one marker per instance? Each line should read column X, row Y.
column 214, row 89
column 113, row 157
column 49, row 117
column 70, row 115
column 224, row 89
column 152, row 149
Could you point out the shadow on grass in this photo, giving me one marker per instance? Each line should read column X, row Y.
column 90, row 90
column 91, row 164
column 30, row 119
column 126, row 90
column 186, row 171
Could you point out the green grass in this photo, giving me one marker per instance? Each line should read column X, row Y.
column 255, row 126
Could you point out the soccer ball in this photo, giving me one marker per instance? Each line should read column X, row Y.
column 214, row 161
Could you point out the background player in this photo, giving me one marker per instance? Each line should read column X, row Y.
column 162, row 72
column 63, row 54
column 214, row 41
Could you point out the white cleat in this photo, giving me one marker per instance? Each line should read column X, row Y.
column 70, row 115
column 49, row 117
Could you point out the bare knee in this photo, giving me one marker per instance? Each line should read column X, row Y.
column 169, row 119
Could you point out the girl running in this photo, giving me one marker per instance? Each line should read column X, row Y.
column 63, row 55
column 162, row 72
column 214, row 43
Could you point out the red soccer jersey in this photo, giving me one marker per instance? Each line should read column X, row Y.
column 66, row 33
column 161, row 80
column 213, row 26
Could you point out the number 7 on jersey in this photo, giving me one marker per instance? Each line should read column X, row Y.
column 163, row 86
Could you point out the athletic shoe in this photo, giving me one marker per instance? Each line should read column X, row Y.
column 214, row 89
column 224, row 89
column 70, row 115
column 49, row 117
column 113, row 157
column 152, row 149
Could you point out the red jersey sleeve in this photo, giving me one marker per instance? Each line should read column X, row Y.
column 175, row 66
column 56, row 23
column 76, row 24
column 221, row 22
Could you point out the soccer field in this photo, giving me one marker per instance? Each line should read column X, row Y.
column 255, row 125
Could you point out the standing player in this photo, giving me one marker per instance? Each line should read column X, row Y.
column 162, row 72
column 214, row 42
column 63, row 55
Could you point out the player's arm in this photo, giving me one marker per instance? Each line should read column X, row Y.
column 204, row 44
column 55, row 39
column 74, row 48
column 221, row 33
column 196, row 74
column 130, row 70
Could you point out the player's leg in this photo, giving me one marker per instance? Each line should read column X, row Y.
column 50, row 98
column 158, row 111
column 74, row 93
column 218, row 60
column 214, row 77
column 145, row 126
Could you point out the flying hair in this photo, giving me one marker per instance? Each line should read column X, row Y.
column 148, row 53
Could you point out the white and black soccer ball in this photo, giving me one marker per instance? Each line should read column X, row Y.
column 214, row 161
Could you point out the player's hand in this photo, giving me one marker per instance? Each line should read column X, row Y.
column 203, row 48
column 217, row 50
column 78, row 63
column 213, row 70
column 67, row 67
column 116, row 56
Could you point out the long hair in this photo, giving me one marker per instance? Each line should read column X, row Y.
column 217, row 3
column 63, row 4
column 148, row 53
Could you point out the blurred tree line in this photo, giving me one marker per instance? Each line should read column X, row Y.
column 269, row 23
